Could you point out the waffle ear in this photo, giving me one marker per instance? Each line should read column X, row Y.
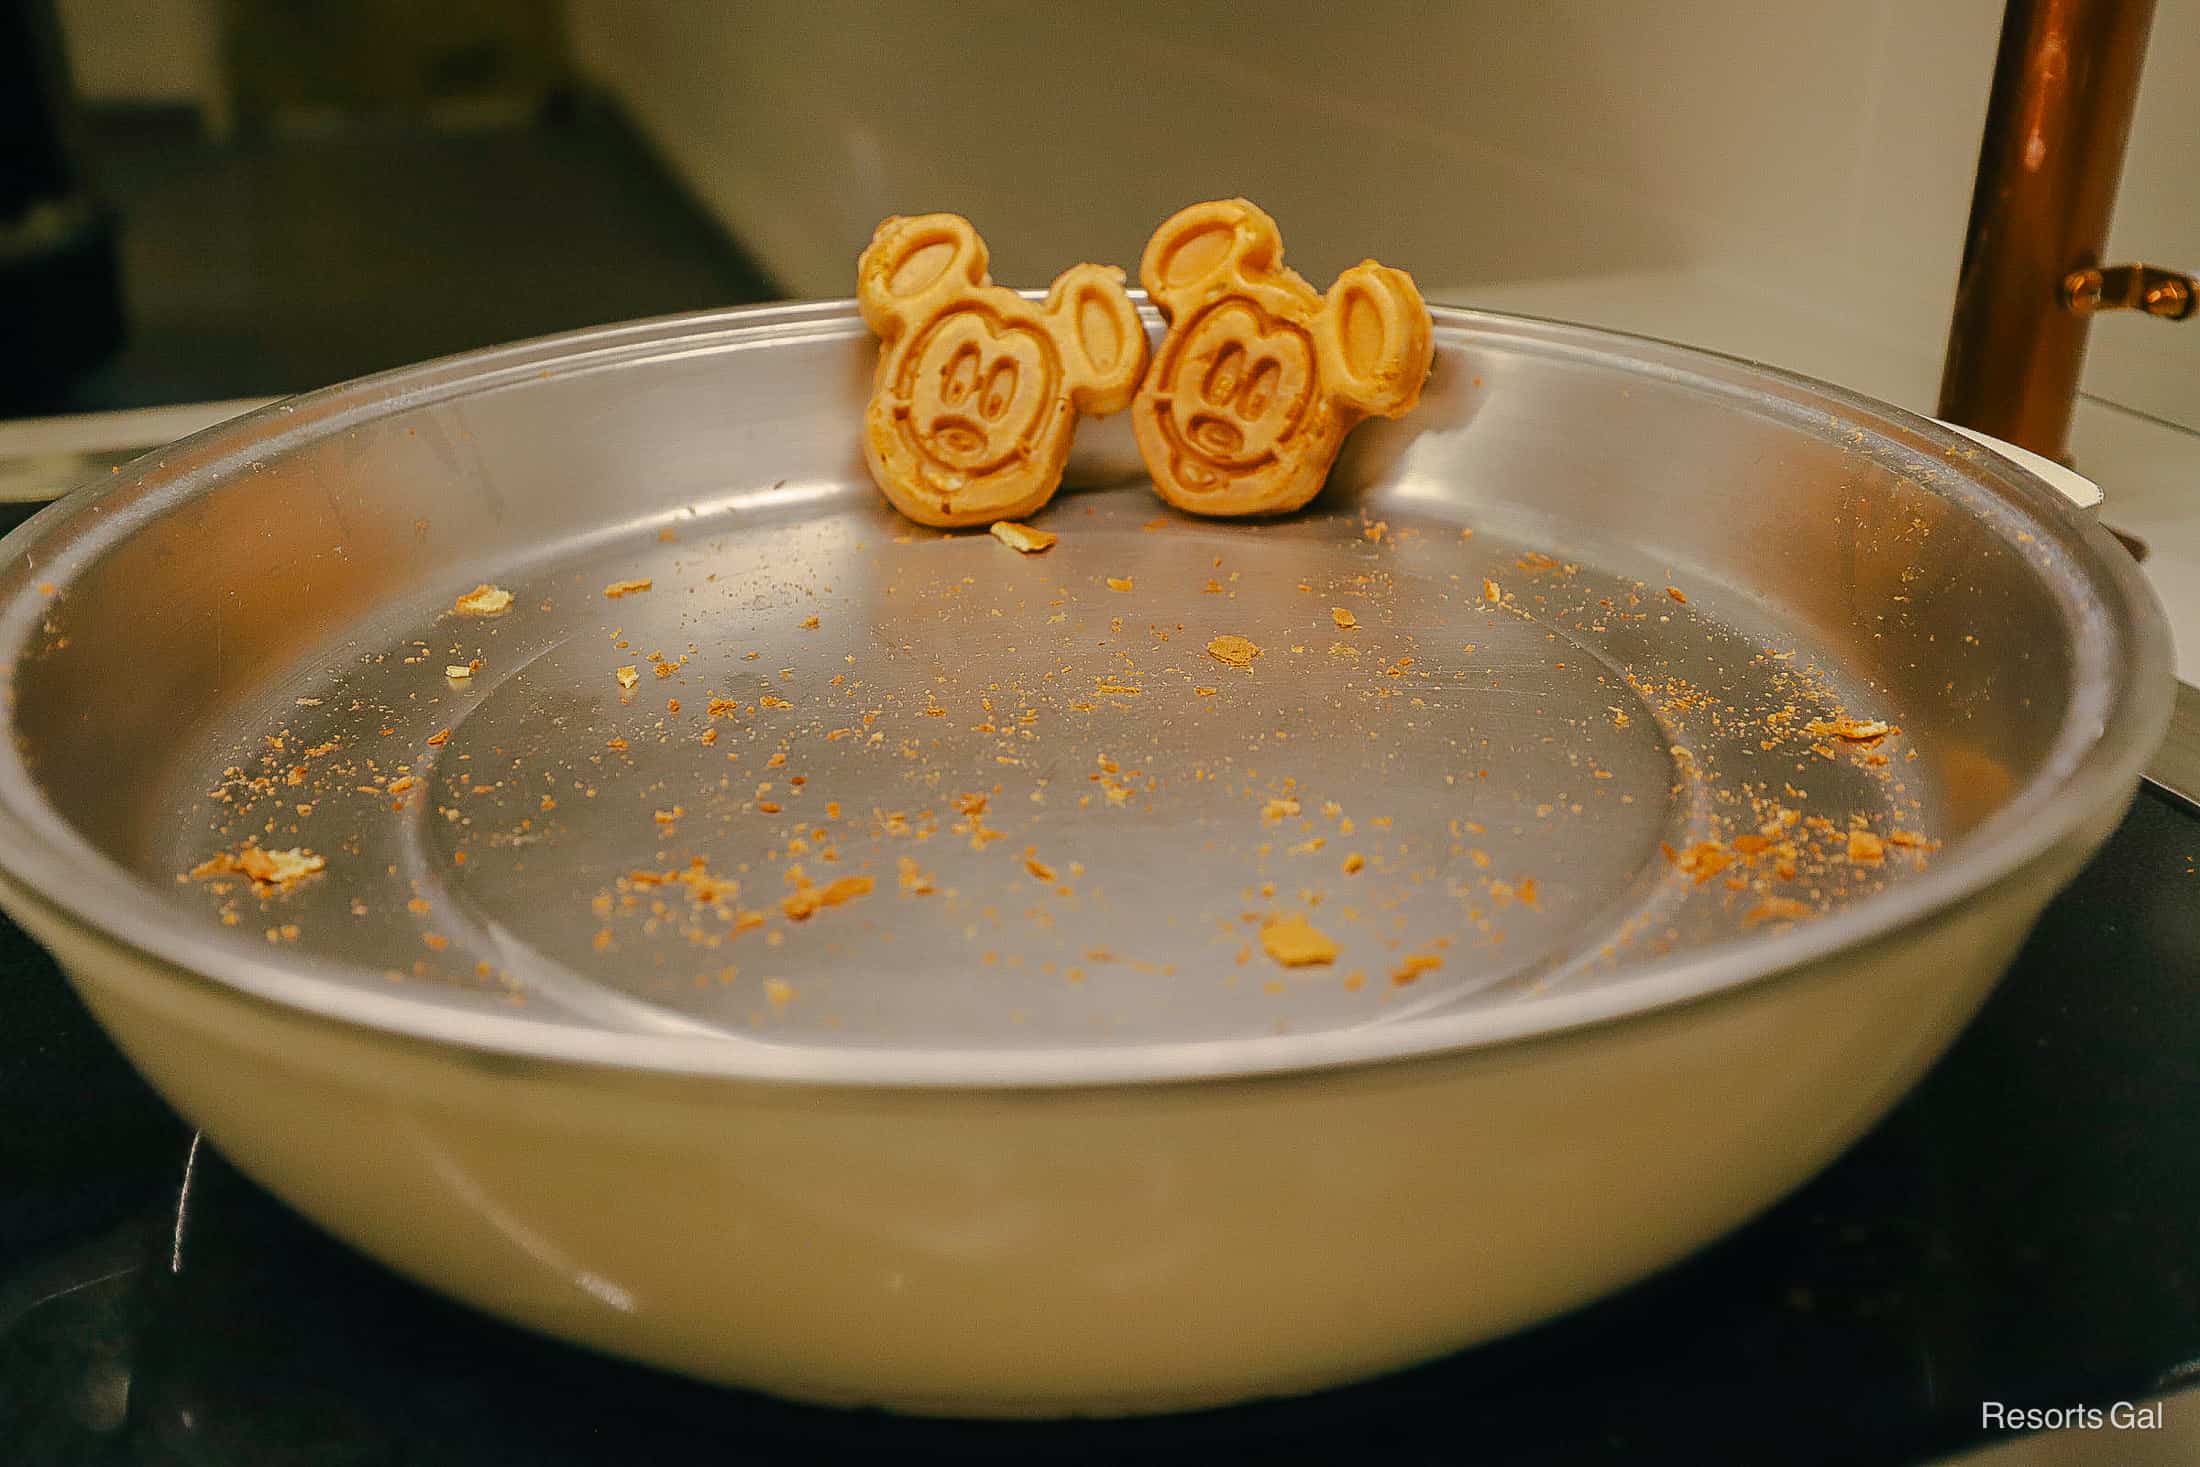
column 1102, row 340
column 1198, row 246
column 915, row 266
column 1375, row 340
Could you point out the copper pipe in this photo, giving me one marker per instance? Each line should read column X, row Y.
column 2065, row 82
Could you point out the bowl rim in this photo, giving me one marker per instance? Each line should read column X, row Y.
column 2119, row 708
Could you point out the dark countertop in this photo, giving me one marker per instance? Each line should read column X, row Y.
column 2025, row 1227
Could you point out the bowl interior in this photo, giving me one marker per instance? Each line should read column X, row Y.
column 1611, row 657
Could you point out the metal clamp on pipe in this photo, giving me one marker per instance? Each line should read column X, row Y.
column 2170, row 294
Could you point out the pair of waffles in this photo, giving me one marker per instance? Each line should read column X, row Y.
column 1242, row 412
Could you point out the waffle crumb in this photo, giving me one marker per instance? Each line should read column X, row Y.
column 268, row 871
column 1855, row 730
column 1703, row 860
column 617, row 589
column 483, row 600
column 803, row 903
column 1023, row 538
column 702, row 887
column 1295, row 942
column 1343, row 618
column 1235, row 650
column 628, row 677
column 1413, row 966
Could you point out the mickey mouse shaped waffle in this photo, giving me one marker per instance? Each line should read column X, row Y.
column 978, row 389
column 1259, row 378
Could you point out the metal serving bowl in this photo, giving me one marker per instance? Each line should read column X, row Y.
column 1035, row 1124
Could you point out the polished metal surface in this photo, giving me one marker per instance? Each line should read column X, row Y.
column 1600, row 591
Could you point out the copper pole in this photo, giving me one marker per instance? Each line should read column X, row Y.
column 2065, row 82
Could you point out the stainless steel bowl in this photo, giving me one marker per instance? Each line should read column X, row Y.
column 1035, row 1124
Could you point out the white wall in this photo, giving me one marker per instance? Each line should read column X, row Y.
column 1789, row 178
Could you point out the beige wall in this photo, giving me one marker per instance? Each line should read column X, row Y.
column 2147, row 364
column 142, row 50
column 1812, row 160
